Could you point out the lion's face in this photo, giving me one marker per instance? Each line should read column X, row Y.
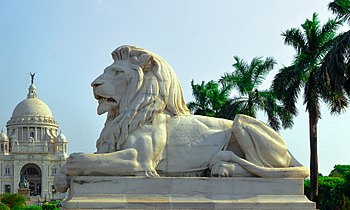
column 110, row 86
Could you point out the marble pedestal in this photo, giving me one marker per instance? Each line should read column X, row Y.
column 186, row 193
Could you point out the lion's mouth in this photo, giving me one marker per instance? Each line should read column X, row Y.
column 101, row 99
column 111, row 100
column 106, row 104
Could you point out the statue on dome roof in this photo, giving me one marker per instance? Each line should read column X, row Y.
column 32, row 77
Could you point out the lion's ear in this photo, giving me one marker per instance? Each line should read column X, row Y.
column 145, row 61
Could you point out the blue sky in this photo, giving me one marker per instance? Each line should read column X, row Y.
column 68, row 44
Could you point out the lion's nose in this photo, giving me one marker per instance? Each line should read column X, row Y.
column 96, row 83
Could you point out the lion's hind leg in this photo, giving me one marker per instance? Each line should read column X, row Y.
column 221, row 165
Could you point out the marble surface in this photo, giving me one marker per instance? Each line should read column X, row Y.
column 186, row 193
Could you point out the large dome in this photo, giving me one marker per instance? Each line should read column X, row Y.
column 32, row 110
column 32, row 107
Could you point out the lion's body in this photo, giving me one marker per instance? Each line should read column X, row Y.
column 150, row 129
column 192, row 142
column 181, row 144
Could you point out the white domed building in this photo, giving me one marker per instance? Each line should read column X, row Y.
column 31, row 148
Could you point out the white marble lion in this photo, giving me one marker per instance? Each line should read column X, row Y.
column 150, row 132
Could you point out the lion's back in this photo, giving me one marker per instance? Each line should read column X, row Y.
column 192, row 141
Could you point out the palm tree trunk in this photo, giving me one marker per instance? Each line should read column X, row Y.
column 313, row 118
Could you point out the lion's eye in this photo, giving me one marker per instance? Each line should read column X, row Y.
column 117, row 72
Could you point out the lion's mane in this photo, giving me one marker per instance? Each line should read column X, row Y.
column 154, row 88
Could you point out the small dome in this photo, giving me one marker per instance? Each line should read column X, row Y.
column 32, row 91
column 32, row 107
column 61, row 137
column 3, row 136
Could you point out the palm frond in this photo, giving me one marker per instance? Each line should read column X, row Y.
column 262, row 70
column 341, row 8
column 311, row 32
column 328, row 30
column 294, row 37
column 336, row 65
column 287, row 85
column 232, row 107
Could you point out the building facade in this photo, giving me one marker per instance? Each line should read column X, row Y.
column 31, row 147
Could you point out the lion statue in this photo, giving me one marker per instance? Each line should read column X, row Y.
column 149, row 131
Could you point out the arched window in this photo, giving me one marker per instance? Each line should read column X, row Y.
column 31, row 171
column 33, row 174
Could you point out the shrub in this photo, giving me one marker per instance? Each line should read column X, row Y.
column 49, row 206
column 18, row 208
column 33, row 208
column 4, row 207
column 27, row 208
column 331, row 193
column 13, row 199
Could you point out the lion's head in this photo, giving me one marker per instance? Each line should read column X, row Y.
column 138, row 85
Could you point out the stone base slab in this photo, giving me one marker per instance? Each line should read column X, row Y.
column 110, row 192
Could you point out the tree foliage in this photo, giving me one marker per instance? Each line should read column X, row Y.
column 209, row 98
column 213, row 98
column 340, row 171
column 245, row 79
column 336, row 65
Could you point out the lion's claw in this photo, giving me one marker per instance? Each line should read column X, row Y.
column 147, row 173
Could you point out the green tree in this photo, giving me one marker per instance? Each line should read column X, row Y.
column 245, row 79
column 340, row 171
column 311, row 43
column 336, row 65
column 209, row 98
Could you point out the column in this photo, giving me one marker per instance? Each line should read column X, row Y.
column 35, row 134
column 16, row 175
column 45, row 134
column 45, row 175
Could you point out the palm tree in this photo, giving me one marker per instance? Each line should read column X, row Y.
column 245, row 79
column 311, row 43
column 336, row 64
column 209, row 98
